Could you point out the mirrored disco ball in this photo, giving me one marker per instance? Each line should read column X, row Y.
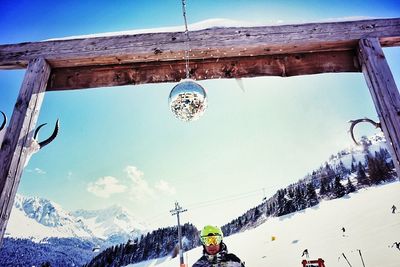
column 188, row 100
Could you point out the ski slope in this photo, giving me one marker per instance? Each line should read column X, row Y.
column 366, row 215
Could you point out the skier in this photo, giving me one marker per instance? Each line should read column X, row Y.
column 397, row 244
column 305, row 253
column 343, row 230
column 394, row 208
column 215, row 252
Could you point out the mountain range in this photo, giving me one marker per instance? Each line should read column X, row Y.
column 37, row 219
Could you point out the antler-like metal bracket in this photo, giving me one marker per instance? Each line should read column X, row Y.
column 48, row 140
column 4, row 120
column 355, row 122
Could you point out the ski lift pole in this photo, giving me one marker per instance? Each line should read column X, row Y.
column 344, row 256
column 359, row 251
column 176, row 212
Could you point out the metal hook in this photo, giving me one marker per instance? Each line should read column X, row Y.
column 4, row 120
column 355, row 122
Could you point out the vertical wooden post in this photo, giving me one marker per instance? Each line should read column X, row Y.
column 384, row 93
column 19, row 133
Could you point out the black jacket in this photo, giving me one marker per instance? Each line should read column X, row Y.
column 221, row 259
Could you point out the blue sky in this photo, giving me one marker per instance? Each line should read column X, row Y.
column 122, row 146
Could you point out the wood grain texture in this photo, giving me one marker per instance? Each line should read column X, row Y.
column 384, row 93
column 19, row 133
column 158, row 72
column 214, row 43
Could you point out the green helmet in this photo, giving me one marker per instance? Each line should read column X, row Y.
column 211, row 230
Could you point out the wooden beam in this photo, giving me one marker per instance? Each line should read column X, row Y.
column 214, row 43
column 384, row 93
column 157, row 72
column 19, row 133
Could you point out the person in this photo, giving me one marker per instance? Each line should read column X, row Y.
column 215, row 252
column 394, row 208
column 397, row 244
column 305, row 253
column 343, row 230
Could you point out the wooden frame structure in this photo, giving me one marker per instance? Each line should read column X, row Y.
column 352, row 46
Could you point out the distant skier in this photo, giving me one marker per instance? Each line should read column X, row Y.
column 394, row 208
column 397, row 244
column 343, row 230
column 305, row 253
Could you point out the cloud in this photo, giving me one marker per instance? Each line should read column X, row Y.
column 37, row 171
column 106, row 186
column 139, row 189
column 165, row 187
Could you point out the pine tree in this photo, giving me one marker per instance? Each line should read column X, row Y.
column 362, row 178
column 353, row 164
column 325, row 188
column 311, row 195
column 378, row 169
column 300, row 198
column 350, row 187
column 341, row 169
column 338, row 189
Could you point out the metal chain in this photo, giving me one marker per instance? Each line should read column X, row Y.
column 187, row 40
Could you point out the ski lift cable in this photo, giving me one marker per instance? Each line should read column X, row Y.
column 221, row 201
column 222, row 198
column 209, row 203
column 232, row 198
column 202, row 205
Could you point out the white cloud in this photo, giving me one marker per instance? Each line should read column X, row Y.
column 140, row 189
column 165, row 187
column 106, row 186
column 37, row 171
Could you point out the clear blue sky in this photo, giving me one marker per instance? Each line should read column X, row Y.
column 122, row 146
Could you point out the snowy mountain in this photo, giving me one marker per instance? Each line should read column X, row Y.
column 114, row 223
column 37, row 219
column 356, row 153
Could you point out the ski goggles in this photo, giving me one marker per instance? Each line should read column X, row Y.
column 211, row 240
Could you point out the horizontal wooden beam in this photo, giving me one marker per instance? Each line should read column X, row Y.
column 239, row 67
column 213, row 43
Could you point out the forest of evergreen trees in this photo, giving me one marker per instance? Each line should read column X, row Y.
column 159, row 243
column 327, row 182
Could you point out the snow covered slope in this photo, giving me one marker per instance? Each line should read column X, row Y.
column 366, row 215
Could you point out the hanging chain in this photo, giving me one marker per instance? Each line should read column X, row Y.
column 187, row 40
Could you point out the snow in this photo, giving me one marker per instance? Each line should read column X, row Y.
column 366, row 215
column 205, row 24
column 38, row 218
column 110, row 221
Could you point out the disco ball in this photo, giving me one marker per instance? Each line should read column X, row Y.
column 188, row 100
